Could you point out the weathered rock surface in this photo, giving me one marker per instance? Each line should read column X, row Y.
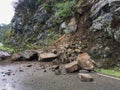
column 43, row 56
column 85, row 77
column 27, row 54
column 4, row 55
column 16, row 57
column 71, row 67
column 85, row 62
column 72, row 26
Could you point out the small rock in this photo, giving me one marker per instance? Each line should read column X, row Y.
column 83, row 71
column 63, row 25
column 71, row 67
column 8, row 73
column 64, row 73
column 29, row 65
column 72, row 26
column 45, row 71
column 20, row 70
column 85, row 77
column 55, row 67
column 58, row 72
column 77, row 50
column 42, row 67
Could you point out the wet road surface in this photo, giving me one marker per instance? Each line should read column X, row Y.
column 32, row 76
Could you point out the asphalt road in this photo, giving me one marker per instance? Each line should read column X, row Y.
column 31, row 76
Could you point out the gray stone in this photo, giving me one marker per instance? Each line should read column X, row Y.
column 43, row 56
column 72, row 26
column 4, row 55
column 57, row 72
column 41, row 15
column 83, row 71
column 28, row 54
column 117, row 35
column 63, row 25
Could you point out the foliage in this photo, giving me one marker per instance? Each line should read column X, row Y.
column 3, row 48
column 3, row 29
column 7, row 36
column 52, row 36
column 63, row 10
column 31, row 4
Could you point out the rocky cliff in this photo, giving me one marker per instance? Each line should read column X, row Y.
column 94, row 22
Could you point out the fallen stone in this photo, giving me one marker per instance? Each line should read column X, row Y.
column 72, row 26
column 4, row 55
column 15, row 57
column 85, row 62
column 63, row 25
column 21, row 71
column 43, row 56
column 29, row 65
column 83, row 71
column 85, row 77
column 57, row 72
column 55, row 67
column 71, row 67
column 45, row 71
column 8, row 73
column 27, row 54
column 43, row 67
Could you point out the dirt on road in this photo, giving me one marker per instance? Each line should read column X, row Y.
column 39, row 76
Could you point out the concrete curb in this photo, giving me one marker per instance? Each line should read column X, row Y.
column 108, row 76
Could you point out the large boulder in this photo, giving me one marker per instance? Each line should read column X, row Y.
column 85, row 62
column 4, row 55
column 71, row 67
column 28, row 54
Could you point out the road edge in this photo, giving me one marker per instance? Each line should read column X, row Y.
column 116, row 78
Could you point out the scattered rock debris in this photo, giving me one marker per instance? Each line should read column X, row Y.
column 64, row 53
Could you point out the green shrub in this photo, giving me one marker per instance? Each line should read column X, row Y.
column 7, row 36
column 63, row 10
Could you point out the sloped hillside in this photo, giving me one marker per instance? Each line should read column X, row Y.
column 96, row 23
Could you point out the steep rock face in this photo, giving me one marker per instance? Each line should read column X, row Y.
column 33, row 26
column 105, row 28
column 95, row 22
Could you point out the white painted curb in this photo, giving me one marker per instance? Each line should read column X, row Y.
column 108, row 76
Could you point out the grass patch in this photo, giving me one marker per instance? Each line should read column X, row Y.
column 3, row 48
column 109, row 72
